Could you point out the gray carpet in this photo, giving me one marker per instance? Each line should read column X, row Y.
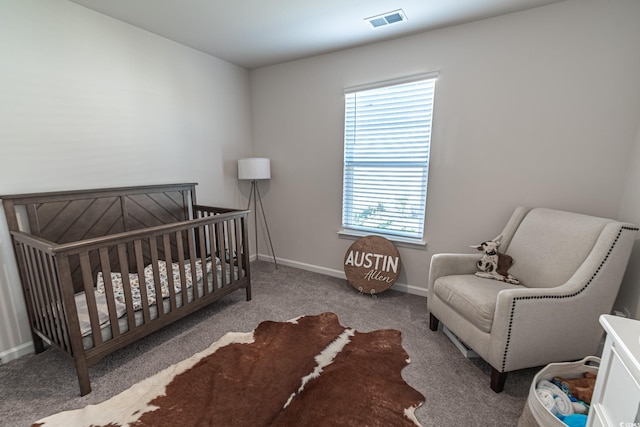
column 456, row 389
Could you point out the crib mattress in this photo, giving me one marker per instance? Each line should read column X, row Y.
column 232, row 272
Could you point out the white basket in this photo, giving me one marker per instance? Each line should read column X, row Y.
column 534, row 405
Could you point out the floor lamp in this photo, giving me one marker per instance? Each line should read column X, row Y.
column 255, row 168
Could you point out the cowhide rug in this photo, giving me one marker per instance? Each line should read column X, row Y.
column 310, row 371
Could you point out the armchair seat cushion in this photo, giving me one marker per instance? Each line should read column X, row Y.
column 471, row 296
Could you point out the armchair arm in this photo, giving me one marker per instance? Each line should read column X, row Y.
column 536, row 326
column 533, row 326
column 448, row 264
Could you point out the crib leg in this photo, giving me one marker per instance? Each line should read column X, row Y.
column 248, row 290
column 85, row 387
column 38, row 343
column 83, row 376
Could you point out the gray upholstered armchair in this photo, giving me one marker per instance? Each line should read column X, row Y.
column 570, row 267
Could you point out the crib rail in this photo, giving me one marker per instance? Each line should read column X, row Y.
column 48, row 278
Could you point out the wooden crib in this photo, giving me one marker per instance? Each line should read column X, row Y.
column 103, row 268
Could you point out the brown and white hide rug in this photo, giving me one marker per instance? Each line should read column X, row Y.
column 309, row 371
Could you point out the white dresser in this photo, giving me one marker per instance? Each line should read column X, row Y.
column 616, row 398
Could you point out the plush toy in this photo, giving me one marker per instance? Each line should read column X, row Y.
column 493, row 264
column 579, row 388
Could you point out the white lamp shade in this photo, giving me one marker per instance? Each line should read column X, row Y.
column 254, row 168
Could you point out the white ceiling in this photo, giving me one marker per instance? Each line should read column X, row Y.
column 255, row 33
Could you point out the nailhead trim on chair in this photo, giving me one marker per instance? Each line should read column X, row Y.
column 513, row 304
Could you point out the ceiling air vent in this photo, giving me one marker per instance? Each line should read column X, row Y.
column 387, row 18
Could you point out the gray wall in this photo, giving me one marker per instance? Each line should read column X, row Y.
column 629, row 296
column 536, row 108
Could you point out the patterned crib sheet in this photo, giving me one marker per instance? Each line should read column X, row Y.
column 118, row 284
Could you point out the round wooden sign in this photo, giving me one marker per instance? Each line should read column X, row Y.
column 372, row 264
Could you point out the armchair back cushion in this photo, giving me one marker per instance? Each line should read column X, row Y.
column 549, row 245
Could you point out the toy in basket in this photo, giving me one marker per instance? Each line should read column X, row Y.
column 560, row 394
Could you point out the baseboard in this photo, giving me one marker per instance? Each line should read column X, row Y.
column 17, row 352
column 410, row 289
column 466, row 351
column 401, row 287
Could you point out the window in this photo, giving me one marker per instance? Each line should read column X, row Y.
column 386, row 157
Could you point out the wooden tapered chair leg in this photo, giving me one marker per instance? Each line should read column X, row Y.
column 497, row 380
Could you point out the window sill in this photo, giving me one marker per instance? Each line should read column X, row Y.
column 399, row 241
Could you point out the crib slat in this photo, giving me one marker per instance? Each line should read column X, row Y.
column 126, row 285
column 47, row 318
column 183, row 278
column 214, row 257
column 47, row 315
column 36, row 288
column 37, row 314
column 33, row 300
column 65, row 341
column 192, row 264
column 240, row 266
column 53, row 304
column 141, row 280
column 233, row 248
column 46, row 307
column 237, row 250
column 203, row 260
column 229, row 241
column 153, row 249
column 225, row 256
column 87, row 282
column 245, row 255
column 231, row 244
column 167, row 258
column 19, row 249
column 105, row 265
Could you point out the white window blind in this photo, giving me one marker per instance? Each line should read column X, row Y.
column 386, row 157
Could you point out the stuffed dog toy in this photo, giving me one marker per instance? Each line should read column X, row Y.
column 493, row 264
column 580, row 388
